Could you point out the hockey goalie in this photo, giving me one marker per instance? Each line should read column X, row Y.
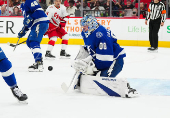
column 100, row 61
column 58, row 19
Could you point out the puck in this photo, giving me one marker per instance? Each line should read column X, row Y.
column 50, row 68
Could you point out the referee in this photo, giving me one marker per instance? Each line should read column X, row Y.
column 157, row 15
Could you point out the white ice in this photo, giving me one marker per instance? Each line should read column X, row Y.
column 47, row 100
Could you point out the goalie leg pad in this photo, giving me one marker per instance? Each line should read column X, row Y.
column 103, row 86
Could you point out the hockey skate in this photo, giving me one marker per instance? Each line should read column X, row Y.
column 48, row 55
column 131, row 92
column 64, row 55
column 19, row 95
column 36, row 67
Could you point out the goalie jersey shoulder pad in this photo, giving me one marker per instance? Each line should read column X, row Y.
column 103, row 47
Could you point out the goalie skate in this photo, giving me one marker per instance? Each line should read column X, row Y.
column 36, row 67
column 64, row 55
column 19, row 95
column 131, row 92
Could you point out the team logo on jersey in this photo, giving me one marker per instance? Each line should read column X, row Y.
column 99, row 34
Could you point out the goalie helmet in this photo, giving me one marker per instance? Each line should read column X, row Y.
column 90, row 21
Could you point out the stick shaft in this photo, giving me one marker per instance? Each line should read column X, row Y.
column 65, row 87
column 16, row 44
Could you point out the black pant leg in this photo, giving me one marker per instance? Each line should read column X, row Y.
column 151, row 32
column 156, row 27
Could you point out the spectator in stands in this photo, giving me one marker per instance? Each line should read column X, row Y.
column 98, row 10
column 119, row 4
column 66, row 3
column 4, row 11
column 16, row 3
column 128, row 5
column 169, row 9
column 85, row 8
column 90, row 1
column 16, row 12
column 134, row 12
column 118, row 7
column 51, row 2
column 134, row 2
column 10, row 7
column 43, row 4
column 71, row 9
column 78, row 4
column 107, row 7
column 93, row 3
column 2, row 2
column 142, row 10
column 102, row 2
column 128, row 9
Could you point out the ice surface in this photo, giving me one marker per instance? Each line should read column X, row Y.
column 47, row 100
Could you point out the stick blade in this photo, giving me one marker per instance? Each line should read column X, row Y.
column 8, row 43
column 64, row 87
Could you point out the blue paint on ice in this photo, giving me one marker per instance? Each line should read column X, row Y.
column 151, row 86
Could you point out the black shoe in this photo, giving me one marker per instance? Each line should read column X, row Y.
column 152, row 49
column 18, row 94
column 36, row 67
column 64, row 54
column 49, row 55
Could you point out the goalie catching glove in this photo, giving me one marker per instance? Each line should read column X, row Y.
column 86, row 66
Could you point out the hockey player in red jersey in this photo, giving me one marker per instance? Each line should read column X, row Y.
column 58, row 17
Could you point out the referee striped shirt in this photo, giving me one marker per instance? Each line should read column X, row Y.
column 156, row 10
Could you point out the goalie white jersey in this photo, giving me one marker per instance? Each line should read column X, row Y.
column 56, row 14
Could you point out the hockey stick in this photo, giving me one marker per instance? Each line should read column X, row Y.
column 65, row 87
column 81, row 54
column 13, row 45
column 19, row 38
column 16, row 44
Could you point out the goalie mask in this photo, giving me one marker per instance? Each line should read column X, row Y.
column 89, row 21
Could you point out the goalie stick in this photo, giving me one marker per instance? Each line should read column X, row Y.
column 65, row 87
column 13, row 45
column 81, row 55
